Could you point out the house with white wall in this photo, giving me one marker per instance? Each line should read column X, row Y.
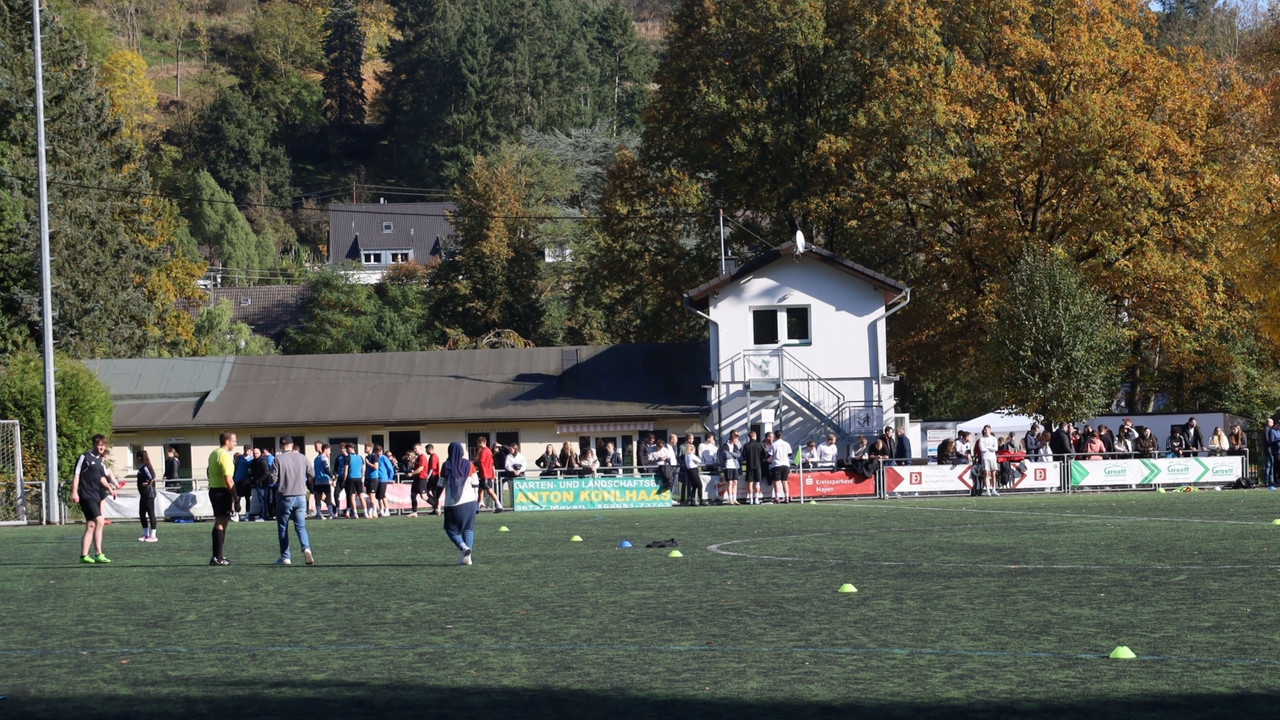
column 798, row 342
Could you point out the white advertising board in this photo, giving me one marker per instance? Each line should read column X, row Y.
column 956, row 478
column 1157, row 471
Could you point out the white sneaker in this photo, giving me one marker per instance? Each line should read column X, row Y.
column 282, row 560
column 235, row 517
column 306, row 553
column 466, row 556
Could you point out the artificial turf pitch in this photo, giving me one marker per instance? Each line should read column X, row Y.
column 985, row 607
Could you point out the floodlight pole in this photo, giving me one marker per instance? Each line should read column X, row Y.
column 52, row 512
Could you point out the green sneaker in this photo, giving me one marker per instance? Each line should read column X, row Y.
column 87, row 560
column 100, row 558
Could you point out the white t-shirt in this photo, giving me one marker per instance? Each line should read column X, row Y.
column 662, row 456
column 827, row 453
column 989, row 444
column 780, row 454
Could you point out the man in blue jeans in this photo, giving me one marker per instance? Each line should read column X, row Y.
column 291, row 472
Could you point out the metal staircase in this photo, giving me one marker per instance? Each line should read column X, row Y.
column 775, row 377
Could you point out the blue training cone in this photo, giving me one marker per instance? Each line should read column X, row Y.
column 624, row 544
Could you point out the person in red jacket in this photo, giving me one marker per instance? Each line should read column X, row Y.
column 434, row 492
column 484, row 463
column 416, row 472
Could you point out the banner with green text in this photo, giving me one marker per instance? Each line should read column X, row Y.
column 1157, row 471
column 598, row 493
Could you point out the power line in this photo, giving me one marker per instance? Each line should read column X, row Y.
column 748, row 231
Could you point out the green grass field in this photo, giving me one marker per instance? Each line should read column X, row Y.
column 990, row 607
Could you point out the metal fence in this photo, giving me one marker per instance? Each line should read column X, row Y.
column 19, row 501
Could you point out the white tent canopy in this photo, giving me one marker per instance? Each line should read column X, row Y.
column 1001, row 422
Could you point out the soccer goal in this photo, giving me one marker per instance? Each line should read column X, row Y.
column 14, row 495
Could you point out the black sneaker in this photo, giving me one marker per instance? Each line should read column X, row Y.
column 219, row 561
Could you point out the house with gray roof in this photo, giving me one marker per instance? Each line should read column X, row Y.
column 585, row 395
column 375, row 236
column 268, row 310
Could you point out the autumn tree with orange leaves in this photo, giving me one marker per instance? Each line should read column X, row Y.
column 938, row 141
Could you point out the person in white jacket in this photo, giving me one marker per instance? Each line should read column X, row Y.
column 692, row 464
column 731, row 466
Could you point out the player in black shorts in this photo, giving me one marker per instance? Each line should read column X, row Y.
column 92, row 482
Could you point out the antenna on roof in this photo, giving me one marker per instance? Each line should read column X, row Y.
column 723, row 263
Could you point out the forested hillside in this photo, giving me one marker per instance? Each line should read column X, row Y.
column 994, row 155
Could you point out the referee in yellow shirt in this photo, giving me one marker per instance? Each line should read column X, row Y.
column 222, row 493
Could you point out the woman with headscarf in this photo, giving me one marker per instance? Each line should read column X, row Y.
column 461, row 498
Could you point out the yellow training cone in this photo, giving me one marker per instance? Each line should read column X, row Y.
column 504, row 528
column 813, row 502
column 1122, row 653
column 847, row 587
column 675, row 553
column 1276, row 521
column 576, row 538
column 1160, row 490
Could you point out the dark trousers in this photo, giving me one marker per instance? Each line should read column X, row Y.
column 415, row 489
column 693, row 481
column 147, row 509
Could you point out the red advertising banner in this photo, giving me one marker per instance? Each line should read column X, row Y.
column 831, row 484
column 819, row 484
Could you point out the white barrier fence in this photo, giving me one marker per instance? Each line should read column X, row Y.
column 1157, row 471
column 908, row 479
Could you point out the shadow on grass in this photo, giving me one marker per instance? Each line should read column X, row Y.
column 305, row 699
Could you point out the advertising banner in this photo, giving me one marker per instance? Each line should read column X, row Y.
column 830, row 484
column 1159, row 471
column 168, row 505
column 957, row 478
column 600, row 493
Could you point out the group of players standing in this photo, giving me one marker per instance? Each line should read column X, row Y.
column 453, row 488
column 756, row 462
column 365, row 479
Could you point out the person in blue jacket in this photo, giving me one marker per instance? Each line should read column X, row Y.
column 354, row 480
column 387, row 475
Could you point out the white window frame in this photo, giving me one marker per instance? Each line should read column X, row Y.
column 371, row 257
column 781, row 327
column 387, row 226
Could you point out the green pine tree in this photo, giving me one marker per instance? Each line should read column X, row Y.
column 344, row 43
column 218, row 224
column 104, row 246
